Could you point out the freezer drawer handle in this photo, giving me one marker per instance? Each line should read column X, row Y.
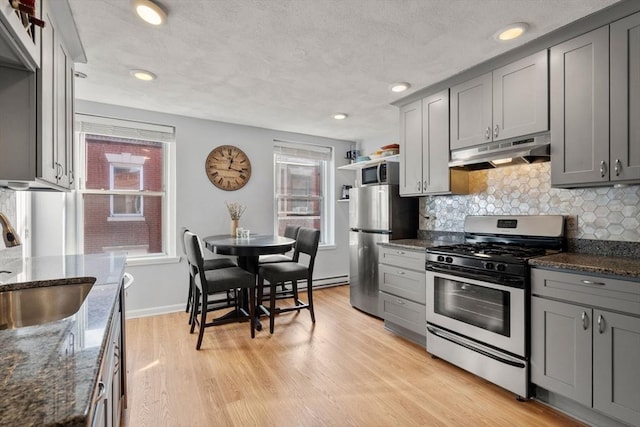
column 477, row 350
column 590, row 282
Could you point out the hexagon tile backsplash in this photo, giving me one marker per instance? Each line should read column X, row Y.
column 604, row 213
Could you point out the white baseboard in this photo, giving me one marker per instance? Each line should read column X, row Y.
column 154, row 311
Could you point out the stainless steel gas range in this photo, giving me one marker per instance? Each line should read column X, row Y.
column 478, row 295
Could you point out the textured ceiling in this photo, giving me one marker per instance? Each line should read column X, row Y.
column 289, row 64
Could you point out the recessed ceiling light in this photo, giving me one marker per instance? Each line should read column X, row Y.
column 511, row 31
column 144, row 75
column 149, row 11
column 400, row 87
column 339, row 116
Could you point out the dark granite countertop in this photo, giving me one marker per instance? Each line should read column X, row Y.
column 626, row 268
column 48, row 372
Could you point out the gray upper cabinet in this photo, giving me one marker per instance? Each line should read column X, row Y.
column 424, row 149
column 411, row 149
column 625, row 99
column 595, row 103
column 41, row 119
column 510, row 102
column 471, row 120
column 580, row 110
column 19, row 46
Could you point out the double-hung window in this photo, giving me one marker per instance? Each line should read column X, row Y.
column 303, row 187
column 125, row 192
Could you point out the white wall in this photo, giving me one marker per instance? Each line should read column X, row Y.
column 201, row 206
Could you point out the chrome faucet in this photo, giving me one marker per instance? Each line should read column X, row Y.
column 8, row 233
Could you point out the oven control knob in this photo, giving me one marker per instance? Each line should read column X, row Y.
column 500, row 267
column 448, row 259
column 440, row 258
column 489, row 266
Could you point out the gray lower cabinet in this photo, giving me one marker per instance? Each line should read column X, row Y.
column 585, row 340
column 109, row 396
column 595, row 102
column 402, row 299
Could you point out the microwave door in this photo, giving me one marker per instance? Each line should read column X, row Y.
column 369, row 208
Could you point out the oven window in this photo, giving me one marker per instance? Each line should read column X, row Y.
column 479, row 306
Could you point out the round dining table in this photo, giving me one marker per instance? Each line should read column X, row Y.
column 248, row 249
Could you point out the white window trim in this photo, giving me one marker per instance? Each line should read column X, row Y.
column 75, row 241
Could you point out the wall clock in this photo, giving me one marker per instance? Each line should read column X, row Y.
column 228, row 167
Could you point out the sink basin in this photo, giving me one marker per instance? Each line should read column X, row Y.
column 35, row 306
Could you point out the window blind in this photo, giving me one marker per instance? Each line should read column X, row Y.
column 305, row 151
column 107, row 126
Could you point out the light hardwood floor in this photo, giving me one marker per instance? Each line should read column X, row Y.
column 347, row 370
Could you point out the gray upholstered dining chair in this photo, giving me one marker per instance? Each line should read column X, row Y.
column 290, row 231
column 221, row 280
column 292, row 271
column 209, row 264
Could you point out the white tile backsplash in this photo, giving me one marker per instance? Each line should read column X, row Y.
column 605, row 213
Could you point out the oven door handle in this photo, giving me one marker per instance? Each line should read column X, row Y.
column 448, row 337
column 516, row 282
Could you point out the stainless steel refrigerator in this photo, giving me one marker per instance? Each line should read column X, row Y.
column 377, row 214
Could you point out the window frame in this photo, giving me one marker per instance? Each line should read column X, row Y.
column 168, row 193
column 327, row 181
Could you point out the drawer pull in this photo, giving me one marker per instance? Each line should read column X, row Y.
column 400, row 252
column 585, row 321
column 399, row 301
column 401, row 272
column 590, row 282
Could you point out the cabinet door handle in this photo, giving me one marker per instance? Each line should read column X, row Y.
column 424, row 186
column 618, row 167
column 496, row 131
column 600, row 323
column 399, row 301
column 71, row 177
column 590, row 282
column 400, row 252
column 585, row 321
column 603, row 168
column 418, row 186
column 402, row 273
column 487, row 133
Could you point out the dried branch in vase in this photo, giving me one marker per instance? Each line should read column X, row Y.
column 235, row 209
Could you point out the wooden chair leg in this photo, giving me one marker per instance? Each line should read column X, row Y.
column 310, row 299
column 294, row 289
column 194, row 309
column 252, row 311
column 272, row 305
column 203, row 320
column 190, row 296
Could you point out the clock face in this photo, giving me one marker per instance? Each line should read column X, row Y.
column 228, row 167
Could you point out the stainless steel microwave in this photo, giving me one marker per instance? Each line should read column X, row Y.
column 382, row 173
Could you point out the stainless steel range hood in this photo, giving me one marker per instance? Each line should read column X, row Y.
column 533, row 149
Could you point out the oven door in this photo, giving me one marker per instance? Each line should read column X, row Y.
column 486, row 312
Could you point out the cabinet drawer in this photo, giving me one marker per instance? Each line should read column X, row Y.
column 404, row 283
column 400, row 257
column 596, row 291
column 408, row 314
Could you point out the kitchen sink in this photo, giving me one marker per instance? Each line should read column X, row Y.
column 35, row 306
